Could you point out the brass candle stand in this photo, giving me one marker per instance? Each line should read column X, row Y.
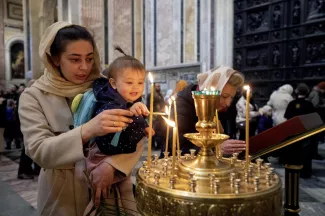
column 208, row 183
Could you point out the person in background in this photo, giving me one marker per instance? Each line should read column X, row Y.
column 265, row 121
column 180, row 86
column 3, row 105
column 279, row 101
column 300, row 152
column 241, row 116
column 13, row 93
column 10, row 132
column 159, row 125
column 317, row 97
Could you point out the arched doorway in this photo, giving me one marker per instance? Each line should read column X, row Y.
column 14, row 58
column 17, row 65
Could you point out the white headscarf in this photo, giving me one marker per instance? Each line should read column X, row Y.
column 265, row 109
column 216, row 78
column 288, row 89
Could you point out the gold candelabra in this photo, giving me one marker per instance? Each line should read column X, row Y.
column 207, row 183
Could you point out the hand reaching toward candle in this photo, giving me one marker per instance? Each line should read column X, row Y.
column 139, row 109
column 233, row 146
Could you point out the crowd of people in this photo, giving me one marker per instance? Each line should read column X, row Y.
column 10, row 132
column 107, row 146
column 286, row 103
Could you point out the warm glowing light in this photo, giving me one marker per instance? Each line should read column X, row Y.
column 150, row 77
column 170, row 102
column 212, row 89
column 166, row 110
column 173, row 98
column 246, row 87
column 169, row 122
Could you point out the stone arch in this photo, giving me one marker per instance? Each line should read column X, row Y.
column 8, row 44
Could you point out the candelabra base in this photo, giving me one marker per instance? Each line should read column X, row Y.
column 204, row 165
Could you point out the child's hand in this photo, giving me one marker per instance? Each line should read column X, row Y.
column 139, row 109
column 147, row 131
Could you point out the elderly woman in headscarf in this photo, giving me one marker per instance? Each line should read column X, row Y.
column 279, row 101
column 221, row 78
column 72, row 63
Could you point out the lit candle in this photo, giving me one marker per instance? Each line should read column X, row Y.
column 217, row 118
column 150, row 119
column 167, row 131
column 174, row 149
column 247, row 88
column 171, row 123
column 176, row 121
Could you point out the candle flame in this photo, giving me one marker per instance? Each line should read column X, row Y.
column 170, row 102
column 212, row 89
column 173, row 98
column 246, row 87
column 150, row 77
column 169, row 122
column 166, row 110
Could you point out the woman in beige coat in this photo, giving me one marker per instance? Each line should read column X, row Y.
column 71, row 60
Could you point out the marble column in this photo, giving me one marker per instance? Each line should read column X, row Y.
column 149, row 33
column 34, row 31
column 74, row 11
column 63, row 10
column 27, row 55
column 138, row 29
column 176, row 23
column 164, row 34
column 190, row 26
column 224, row 25
column 2, row 48
column 93, row 18
column 119, row 27
column 205, row 19
column 46, row 15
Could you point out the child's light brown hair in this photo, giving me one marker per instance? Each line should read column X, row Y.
column 122, row 63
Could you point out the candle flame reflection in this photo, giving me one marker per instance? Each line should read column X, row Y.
column 246, row 87
column 150, row 77
column 166, row 110
column 169, row 122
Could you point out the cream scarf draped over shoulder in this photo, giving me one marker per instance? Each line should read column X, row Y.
column 52, row 81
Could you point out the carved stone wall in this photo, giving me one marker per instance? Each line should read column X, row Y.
column 278, row 42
